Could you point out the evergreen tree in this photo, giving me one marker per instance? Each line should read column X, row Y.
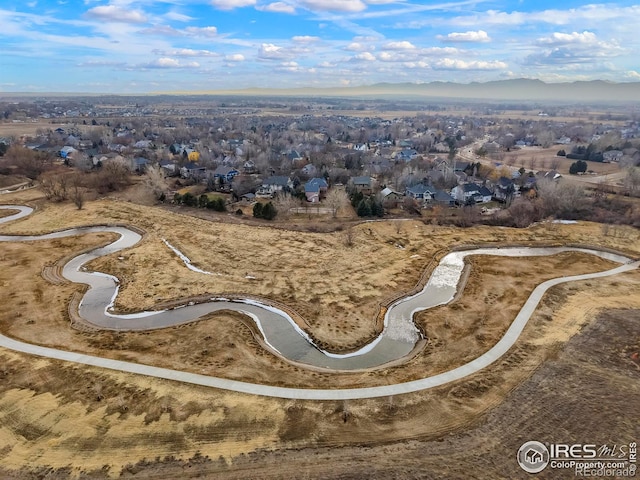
column 217, row 204
column 189, row 200
column 269, row 211
column 377, row 210
column 364, row 209
column 257, row 210
column 356, row 198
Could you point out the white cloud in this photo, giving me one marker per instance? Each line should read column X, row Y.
column 177, row 17
column 387, row 57
column 189, row 52
column 404, row 45
column 231, row 4
column 413, row 65
column 305, row 39
column 236, row 57
column 202, row 31
column 269, row 51
column 327, row 65
column 594, row 14
column 456, row 64
column 289, row 67
column 334, row 5
column 114, row 13
column 439, row 51
column 162, row 31
column 166, row 62
column 356, row 47
column 632, row 75
column 277, row 7
column 479, row 36
column 572, row 49
column 569, row 38
column 366, row 56
column 101, row 63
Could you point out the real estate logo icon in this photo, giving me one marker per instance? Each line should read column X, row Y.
column 533, row 457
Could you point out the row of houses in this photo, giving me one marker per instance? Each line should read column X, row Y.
column 466, row 193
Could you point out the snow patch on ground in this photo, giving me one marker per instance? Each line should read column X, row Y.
column 186, row 260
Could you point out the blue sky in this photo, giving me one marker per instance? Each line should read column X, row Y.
column 130, row 46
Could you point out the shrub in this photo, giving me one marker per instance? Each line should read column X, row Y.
column 217, row 204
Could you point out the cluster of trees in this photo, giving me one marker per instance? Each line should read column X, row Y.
column 267, row 211
column 578, row 167
column 203, row 201
column 590, row 152
column 23, row 161
column 366, row 206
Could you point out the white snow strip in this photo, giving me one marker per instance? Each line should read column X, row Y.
column 186, row 260
column 128, row 315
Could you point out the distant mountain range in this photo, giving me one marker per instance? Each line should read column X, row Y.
column 516, row 90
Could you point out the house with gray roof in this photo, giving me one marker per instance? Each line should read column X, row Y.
column 274, row 184
column 315, row 189
column 420, row 192
column 389, row 197
column 406, row 155
column 504, row 188
column 363, row 185
column 442, row 198
column 226, row 173
column 471, row 193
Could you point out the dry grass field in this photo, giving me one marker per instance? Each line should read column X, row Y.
column 27, row 128
column 61, row 420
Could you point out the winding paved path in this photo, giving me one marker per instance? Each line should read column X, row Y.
column 74, row 271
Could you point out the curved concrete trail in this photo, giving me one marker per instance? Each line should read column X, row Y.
column 74, row 272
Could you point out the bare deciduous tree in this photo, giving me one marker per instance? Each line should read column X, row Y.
column 154, row 181
column 27, row 162
column 54, row 187
column 560, row 198
column 349, row 236
column 336, row 199
column 78, row 196
column 284, row 203
column 631, row 181
column 113, row 176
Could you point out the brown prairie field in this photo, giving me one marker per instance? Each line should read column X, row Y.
column 538, row 158
column 27, row 128
column 70, row 419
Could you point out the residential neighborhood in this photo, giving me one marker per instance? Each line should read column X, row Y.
column 299, row 245
column 409, row 165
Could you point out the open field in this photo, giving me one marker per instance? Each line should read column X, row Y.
column 538, row 158
column 27, row 128
column 55, row 415
column 545, row 157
